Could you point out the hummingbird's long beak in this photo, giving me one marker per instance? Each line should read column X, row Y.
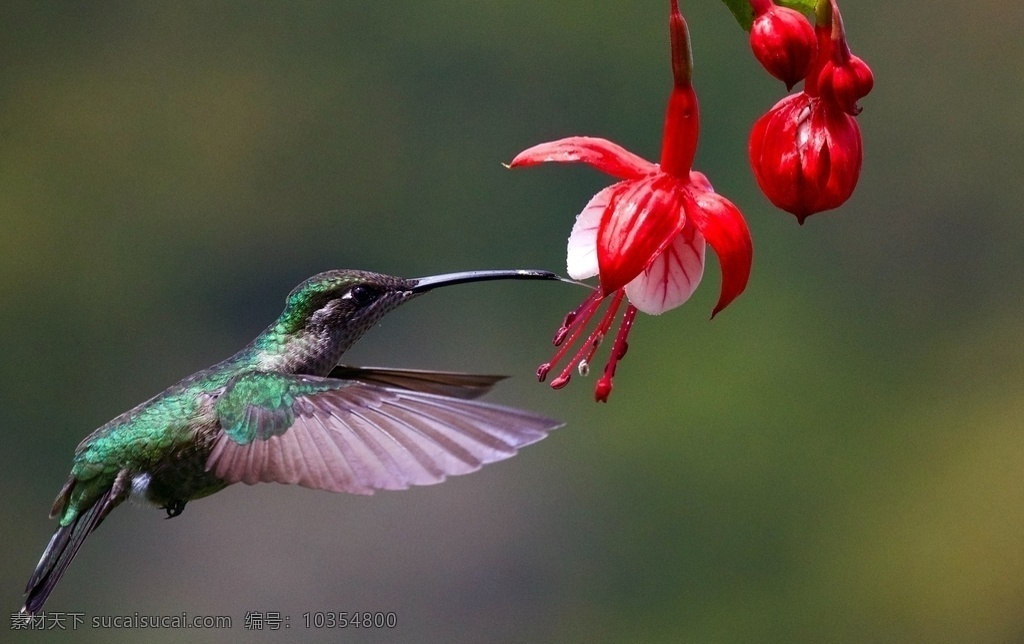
column 424, row 284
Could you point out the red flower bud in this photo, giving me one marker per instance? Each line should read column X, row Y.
column 783, row 41
column 844, row 78
column 806, row 154
column 846, row 83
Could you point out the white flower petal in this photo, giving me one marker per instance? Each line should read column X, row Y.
column 672, row 277
column 581, row 252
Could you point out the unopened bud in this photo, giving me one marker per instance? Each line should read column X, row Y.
column 783, row 42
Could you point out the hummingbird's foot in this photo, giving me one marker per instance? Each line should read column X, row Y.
column 174, row 508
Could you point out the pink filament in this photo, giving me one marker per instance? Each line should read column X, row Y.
column 590, row 345
column 602, row 329
column 577, row 322
column 572, row 319
column 604, row 384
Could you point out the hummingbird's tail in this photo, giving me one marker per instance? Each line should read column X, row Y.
column 65, row 543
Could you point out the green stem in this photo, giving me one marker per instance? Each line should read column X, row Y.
column 823, row 12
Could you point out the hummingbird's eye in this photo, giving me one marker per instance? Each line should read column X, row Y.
column 361, row 295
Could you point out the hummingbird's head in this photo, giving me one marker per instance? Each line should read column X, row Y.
column 328, row 312
column 357, row 299
column 344, row 298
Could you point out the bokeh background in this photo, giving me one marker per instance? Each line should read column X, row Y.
column 837, row 457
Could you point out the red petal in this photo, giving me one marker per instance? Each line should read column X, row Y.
column 846, row 156
column 604, row 155
column 641, row 220
column 724, row 228
column 775, row 154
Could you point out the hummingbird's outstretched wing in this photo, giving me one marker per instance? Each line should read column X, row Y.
column 357, row 437
column 444, row 383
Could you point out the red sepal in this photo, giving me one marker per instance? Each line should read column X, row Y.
column 604, row 155
column 724, row 228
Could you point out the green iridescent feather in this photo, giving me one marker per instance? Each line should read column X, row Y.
column 260, row 405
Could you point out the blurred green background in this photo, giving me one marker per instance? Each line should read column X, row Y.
column 837, row 457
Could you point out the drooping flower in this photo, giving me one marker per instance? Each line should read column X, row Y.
column 806, row 151
column 644, row 236
column 783, row 41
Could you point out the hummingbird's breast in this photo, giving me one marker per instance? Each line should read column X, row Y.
column 313, row 354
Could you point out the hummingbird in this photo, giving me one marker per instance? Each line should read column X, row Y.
column 285, row 410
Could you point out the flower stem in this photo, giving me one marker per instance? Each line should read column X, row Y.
column 823, row 12
column 840, row 49
column 823, row 33
column 682, row 57
column 682, row 118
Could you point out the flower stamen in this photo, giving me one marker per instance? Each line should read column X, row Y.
column 602, row 329
column 604, row 384
column 573, row 317
column 578, row 321
column 586, row 352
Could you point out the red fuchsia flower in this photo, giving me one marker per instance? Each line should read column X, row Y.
column 806, row 151
column 783, row 41
column 644, row 237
